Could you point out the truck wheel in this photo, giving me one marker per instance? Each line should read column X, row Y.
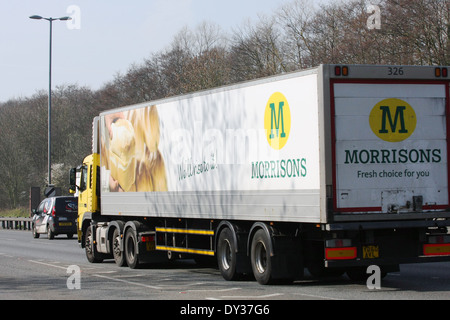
column 89, row 246
column 260, row 258
column 226, row 255
column 131, row 249
column 119, row 256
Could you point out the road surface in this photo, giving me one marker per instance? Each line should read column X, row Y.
column 42, row 269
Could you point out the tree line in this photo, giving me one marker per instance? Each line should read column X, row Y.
column 298, row 35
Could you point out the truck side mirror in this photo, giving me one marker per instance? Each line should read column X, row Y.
column 72, row 177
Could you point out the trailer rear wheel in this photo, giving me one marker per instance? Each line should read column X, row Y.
column 131, row 249
column 260, row 257
column 226, row 255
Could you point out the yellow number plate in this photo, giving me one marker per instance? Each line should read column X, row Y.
column 150, row 246
column 371, row 252
column 65, row 224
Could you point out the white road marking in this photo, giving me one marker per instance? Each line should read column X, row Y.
column 48, row 264
column 316, row 296
column 209, row 290
column 127, row 282
column 254, row 297
column 6, row 255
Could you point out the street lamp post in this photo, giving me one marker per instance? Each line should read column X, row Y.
column 50, row 90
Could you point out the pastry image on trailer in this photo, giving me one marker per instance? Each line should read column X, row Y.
column 133, row 159
column 122, row 154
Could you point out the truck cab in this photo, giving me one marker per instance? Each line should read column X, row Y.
column 85, row 180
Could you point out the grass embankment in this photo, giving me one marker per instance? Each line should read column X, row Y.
column 16, row 213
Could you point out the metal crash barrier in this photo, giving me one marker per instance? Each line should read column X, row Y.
column 16, row 223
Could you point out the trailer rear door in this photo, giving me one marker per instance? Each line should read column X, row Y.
column 390, row 150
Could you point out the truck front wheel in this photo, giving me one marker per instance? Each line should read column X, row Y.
column 89, row 246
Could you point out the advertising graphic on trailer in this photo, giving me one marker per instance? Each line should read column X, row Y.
column 254, row 138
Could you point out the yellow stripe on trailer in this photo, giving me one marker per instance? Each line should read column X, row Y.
column 186, row 231
column 185, row 250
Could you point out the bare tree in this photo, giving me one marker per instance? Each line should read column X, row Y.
column 299, row 35
column 296, row 18
column 257, row 51
column 15, row 160
column 418, row 31
column 208, row 70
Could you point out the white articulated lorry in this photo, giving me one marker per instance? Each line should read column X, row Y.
column 333, row 169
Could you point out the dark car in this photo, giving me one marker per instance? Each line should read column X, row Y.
column 56, row 215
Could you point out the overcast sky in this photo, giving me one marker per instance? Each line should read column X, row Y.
column 108, row 37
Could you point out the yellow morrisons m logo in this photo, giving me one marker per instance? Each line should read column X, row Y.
column 277, row 121
column 393, row 120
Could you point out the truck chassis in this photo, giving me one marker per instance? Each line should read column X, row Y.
column 271, row 252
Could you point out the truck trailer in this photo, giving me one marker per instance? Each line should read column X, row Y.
column 333, row 169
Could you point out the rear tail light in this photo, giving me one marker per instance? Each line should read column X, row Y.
column 441, row 72
column 337, row 71
column 147, row 238
column 340, row 249
column 436, row 249
column 338, row 243
column 345, row 71
column 437, row 72
column 437, row 246
column 341, row 71
column 341, row 253
column 53, row 212
column 439, row 239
